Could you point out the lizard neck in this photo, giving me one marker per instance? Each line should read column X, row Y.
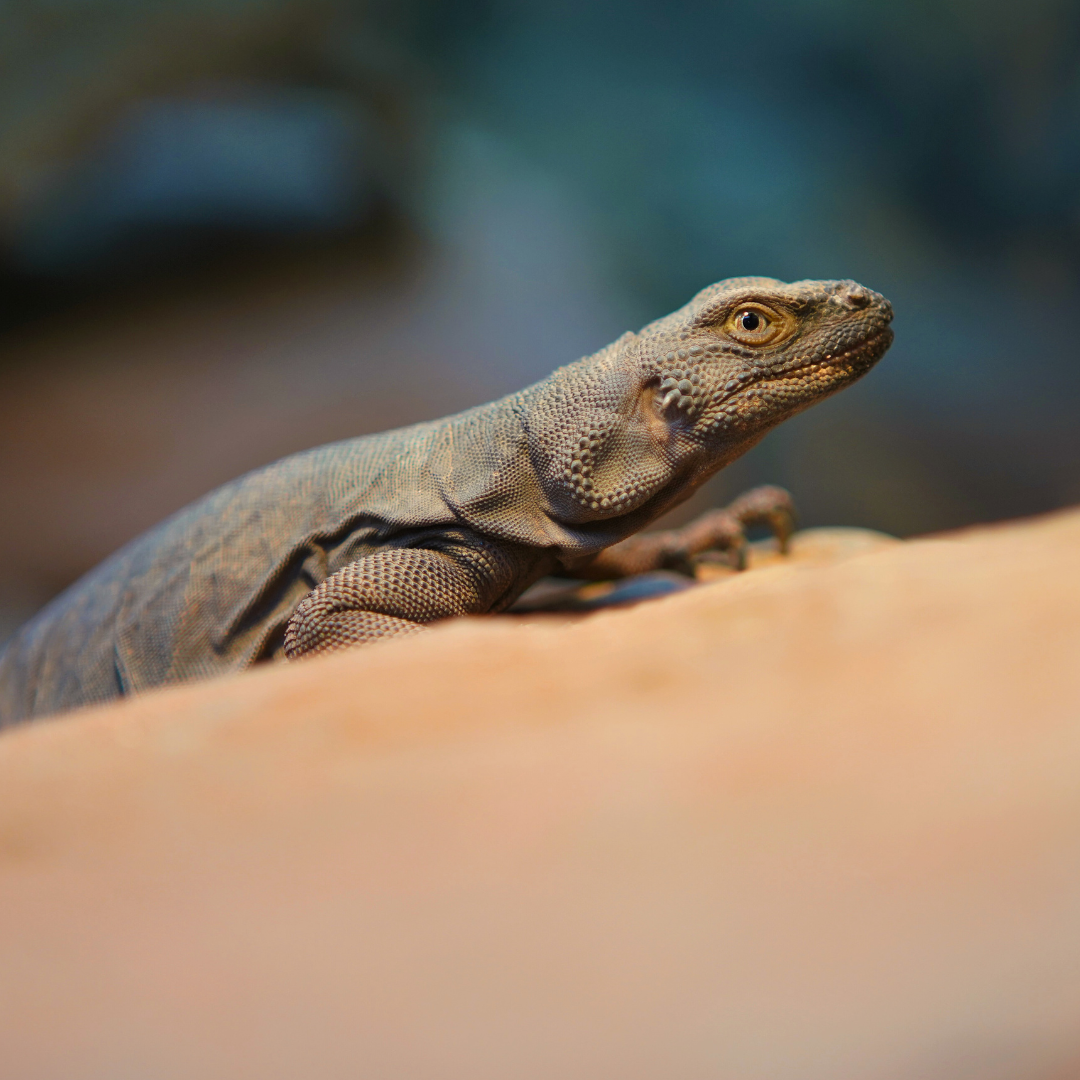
column 576, row 462
column 605, row 461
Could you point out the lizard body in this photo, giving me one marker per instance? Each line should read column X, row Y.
column 380, row 535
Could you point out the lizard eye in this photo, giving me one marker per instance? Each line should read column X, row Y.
column 755, row 324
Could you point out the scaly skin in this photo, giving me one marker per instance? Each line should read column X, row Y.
column 377, row 537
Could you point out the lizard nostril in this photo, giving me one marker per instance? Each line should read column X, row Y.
column 858, row 297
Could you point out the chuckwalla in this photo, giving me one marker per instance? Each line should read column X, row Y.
column 377, row 536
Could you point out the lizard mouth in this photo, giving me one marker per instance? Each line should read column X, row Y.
column 870, row 349
column 833, row 370
column 856, row 360
column 863, row 354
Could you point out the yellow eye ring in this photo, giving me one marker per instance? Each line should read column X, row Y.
column 755, row 324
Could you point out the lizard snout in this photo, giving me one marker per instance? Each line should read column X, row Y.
column 855, row 297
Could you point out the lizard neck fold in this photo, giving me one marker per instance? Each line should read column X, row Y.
column 572, row 463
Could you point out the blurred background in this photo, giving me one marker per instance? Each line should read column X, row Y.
column 233, row 229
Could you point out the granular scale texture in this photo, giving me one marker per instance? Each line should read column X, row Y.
column 378, row 536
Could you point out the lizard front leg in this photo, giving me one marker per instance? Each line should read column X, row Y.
column 716, row 530
column 397, row 591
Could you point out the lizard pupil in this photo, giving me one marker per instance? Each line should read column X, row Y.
column 750, row 320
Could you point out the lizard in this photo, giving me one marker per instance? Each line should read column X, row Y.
column 379, row 536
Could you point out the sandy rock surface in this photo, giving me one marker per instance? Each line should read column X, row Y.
column 817, row 821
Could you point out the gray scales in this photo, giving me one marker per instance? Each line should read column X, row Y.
column 377, row 536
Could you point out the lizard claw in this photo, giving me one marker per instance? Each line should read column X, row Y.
column 724, row 531
column 767, row 505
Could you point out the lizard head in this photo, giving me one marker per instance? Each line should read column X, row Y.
column 747, row 353
column 642, row 423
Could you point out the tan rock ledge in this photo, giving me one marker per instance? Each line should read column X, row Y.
column 819, row 820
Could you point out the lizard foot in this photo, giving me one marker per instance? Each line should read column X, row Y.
column 724, row 531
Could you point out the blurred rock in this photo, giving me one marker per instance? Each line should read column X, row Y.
column 817, row 821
